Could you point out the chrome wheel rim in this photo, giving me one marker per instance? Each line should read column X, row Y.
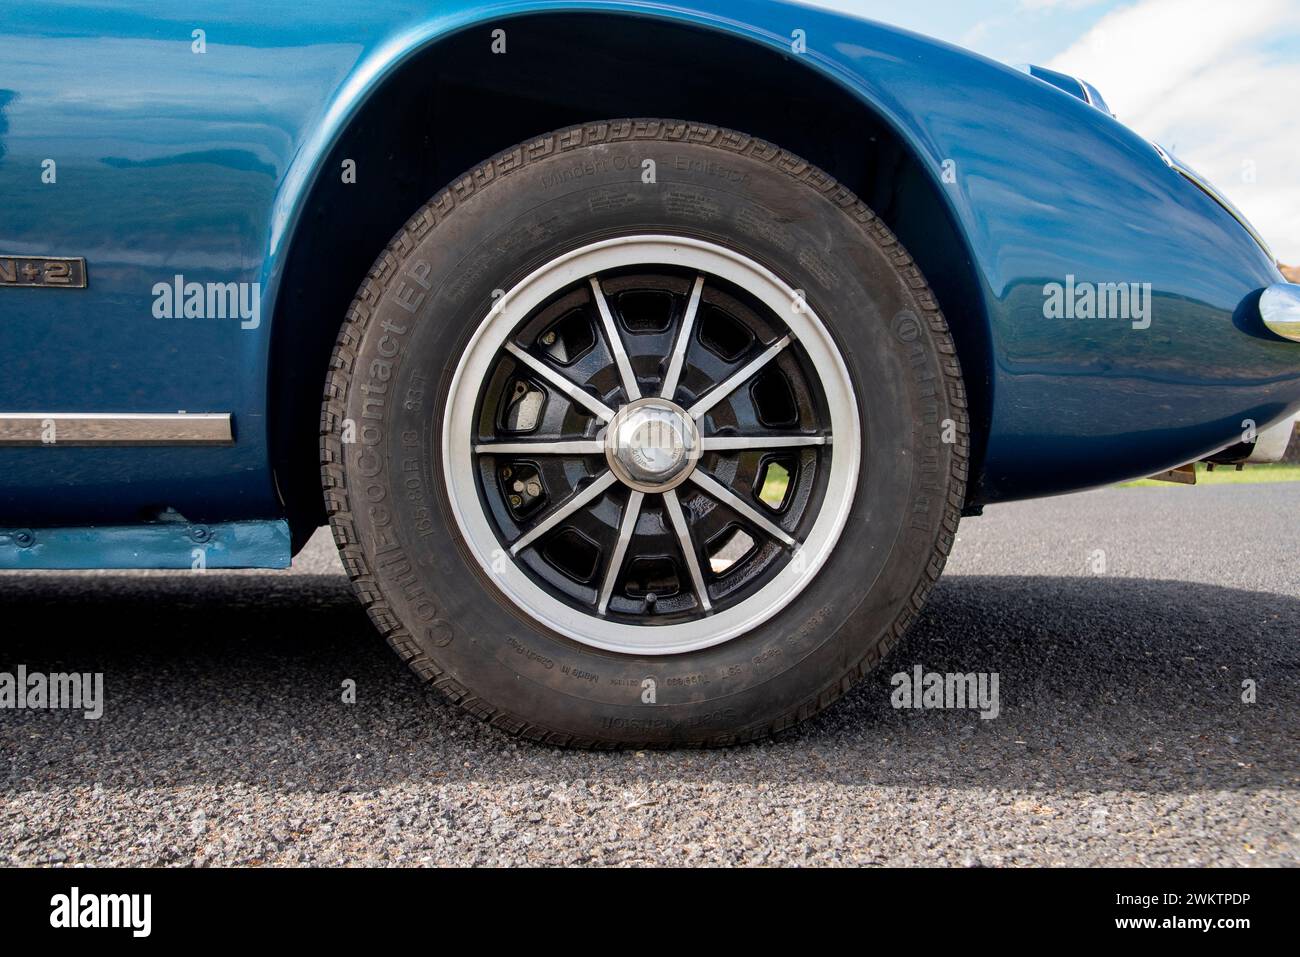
column 616, row 442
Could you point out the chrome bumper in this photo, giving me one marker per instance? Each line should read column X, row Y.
column 1279, row 307
column 1270, row 445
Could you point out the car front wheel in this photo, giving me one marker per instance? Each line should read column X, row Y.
column 644, row 433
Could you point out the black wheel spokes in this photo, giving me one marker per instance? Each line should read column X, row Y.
column 626, row 530
column 683, row 530
column 737, row 379
column 571, row 505
column 672, row 376
column 591, row 490
column 719, row 492
column 614, row 343
column 566, row 387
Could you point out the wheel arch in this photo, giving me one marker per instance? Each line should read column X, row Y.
column 389, row 116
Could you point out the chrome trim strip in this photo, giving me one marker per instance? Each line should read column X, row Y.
column 1095, row 99
column 1279, row 307
column 1209, row 189
column 51, row 429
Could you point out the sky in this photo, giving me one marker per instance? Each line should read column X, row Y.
column 1215, row 81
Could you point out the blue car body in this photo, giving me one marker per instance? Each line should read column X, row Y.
column 192, row 146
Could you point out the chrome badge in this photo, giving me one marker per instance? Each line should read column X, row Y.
column 53, row 272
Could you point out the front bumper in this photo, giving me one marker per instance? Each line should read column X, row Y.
column 1279, row 307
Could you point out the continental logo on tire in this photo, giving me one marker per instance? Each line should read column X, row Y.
column 907, row 327
column 439, row 633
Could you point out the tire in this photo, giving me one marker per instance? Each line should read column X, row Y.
column 401, row 494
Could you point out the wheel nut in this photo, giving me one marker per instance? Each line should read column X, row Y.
column 516, row 501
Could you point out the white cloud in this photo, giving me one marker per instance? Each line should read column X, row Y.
column 1215, row 82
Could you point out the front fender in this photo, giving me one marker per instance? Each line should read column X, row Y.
column 1043, row 188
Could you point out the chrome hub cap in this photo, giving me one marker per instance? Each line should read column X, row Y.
column 651, row 445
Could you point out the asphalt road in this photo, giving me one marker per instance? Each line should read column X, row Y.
column 1122, row 736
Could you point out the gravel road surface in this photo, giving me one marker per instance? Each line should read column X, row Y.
column 1122, row 624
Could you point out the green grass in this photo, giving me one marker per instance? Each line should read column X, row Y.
column 775, row 483
column 1226, row 475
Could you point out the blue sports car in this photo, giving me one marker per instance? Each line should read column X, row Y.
column 642, row 356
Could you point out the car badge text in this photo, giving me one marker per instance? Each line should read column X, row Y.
column 55, row 272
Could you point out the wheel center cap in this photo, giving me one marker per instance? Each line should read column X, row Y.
column 652, row 444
